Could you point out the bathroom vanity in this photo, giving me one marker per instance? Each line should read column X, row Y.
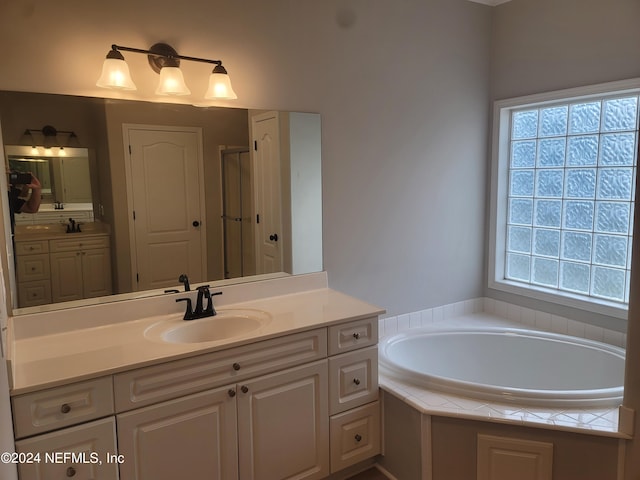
column 55, row 266
column 153, row 397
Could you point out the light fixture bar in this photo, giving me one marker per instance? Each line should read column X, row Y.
column 165, row 61
column 166, row 55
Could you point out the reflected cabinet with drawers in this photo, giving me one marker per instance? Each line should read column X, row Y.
column 302, row 406
column 63, row 269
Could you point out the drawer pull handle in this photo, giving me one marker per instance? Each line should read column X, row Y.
column 244, row 389
column 356, row 381
column 232, row 392
column 358, row 437
column 356, row 335
column 71, row 472
column 65, row 408
column 236, row 366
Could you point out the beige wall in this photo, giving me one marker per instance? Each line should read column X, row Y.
column 543, row 45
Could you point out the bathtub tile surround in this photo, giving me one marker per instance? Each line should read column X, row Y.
column 602, row 421
column 524, row 317
column 609, row 422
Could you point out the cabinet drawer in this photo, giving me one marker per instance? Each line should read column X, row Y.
column 355, row 436
column 58, row 407
column 353, row 379
column 149, row 385
column 353, row 335
column 35, row 293
column 33, row 267
column 79, row 243
column 31, row 248
column 90, row 441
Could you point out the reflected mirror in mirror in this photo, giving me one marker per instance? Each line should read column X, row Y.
column 225, row 195
column 63, row 174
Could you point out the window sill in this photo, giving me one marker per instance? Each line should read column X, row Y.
column 599, row 306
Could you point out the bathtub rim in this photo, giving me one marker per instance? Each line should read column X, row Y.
column 584, row 398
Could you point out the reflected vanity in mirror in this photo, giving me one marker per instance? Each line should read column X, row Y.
column 245, row 184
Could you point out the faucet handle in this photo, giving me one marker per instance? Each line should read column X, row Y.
column 210, row 308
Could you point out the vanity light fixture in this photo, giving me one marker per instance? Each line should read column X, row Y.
column 49, row 136
column 164, row 60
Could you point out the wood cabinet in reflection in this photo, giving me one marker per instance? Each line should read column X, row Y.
column 63, row 269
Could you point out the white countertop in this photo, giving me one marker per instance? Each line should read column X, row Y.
column 58, row 358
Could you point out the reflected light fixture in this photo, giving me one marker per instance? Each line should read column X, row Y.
column 50, row 138
column 164, row 60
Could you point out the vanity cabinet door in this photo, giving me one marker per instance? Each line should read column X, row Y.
column 84, row 452
column 283, row 424
column 96, row 272
column 80, row 274
column 66, row 276
column 189, row 437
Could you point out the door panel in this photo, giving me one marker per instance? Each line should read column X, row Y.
column 283, row 425
column 266, row 131
column 168, row 201
column 190, row 437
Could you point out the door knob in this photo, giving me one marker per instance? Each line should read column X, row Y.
column 274, row 237
column 196, row 223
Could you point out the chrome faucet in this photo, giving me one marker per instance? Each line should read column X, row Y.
column 200, row 311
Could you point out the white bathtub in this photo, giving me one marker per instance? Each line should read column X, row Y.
column 508, row 365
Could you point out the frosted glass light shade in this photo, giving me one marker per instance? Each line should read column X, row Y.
column 220, row 87
column 115, row 75
column 172, row 82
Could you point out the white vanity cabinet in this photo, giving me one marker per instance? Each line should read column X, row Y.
column 33, row 273
column 189, row 437
column 296, row 406
column 272, row 427
column 75, row 420
column 252, row 426
column 63, row 269
column 353, row 392
column 283, row 431
column 80, row 268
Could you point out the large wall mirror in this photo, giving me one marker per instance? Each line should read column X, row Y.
column 224, row 195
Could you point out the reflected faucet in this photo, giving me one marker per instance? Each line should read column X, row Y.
column 184, row 279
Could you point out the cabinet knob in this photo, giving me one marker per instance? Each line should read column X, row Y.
column 358, row 437
column 356, row 335
column 231, row 392
column 65, row 408
column 356, row 381
column 244, row 389
column 236, row 366
column 71, row 472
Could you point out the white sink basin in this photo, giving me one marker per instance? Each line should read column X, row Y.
column 225, row 325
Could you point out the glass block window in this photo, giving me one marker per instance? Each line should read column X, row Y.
column 570, row 196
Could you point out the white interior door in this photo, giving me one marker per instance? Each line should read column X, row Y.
column 166, row 169
column 266, row 154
